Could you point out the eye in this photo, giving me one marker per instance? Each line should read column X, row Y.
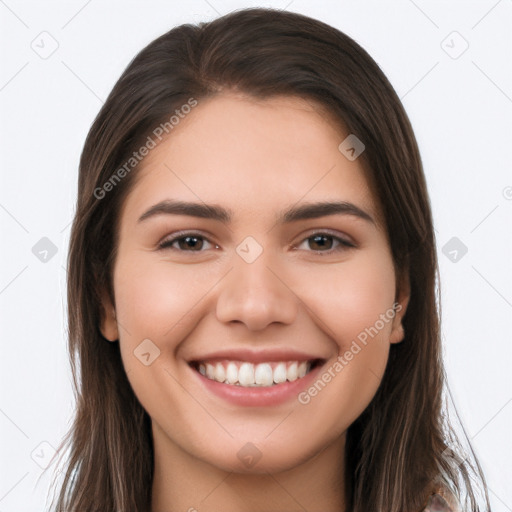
column 187, row 242
column 195, row 242
column 324, row 242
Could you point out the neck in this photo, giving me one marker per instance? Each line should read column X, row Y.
column 183, row 482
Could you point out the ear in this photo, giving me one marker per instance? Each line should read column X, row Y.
column 403, row 293
column 108, row 322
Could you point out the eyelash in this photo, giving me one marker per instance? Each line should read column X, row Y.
column 343, row 244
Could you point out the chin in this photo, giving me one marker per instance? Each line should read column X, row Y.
column 251, row 458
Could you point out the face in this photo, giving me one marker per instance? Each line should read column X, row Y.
column 258, row 282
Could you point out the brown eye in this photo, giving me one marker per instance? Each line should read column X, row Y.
column 324, row 242
column 186, row 242
column 319, row 242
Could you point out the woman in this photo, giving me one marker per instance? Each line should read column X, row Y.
column 251, row 296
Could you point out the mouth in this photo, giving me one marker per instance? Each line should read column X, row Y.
column 250, row 375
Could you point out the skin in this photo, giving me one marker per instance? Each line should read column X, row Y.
column 255, row 158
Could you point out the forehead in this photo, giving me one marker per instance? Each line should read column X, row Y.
column 252, row 154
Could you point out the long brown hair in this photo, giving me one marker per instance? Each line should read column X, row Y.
column 402, row 448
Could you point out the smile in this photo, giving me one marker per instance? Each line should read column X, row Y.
column 246, row 374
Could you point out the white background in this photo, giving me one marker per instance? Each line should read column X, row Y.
column 460, row 108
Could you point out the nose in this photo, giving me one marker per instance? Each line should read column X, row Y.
column 256, row 294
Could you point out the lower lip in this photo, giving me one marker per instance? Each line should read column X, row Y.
column 259, row 396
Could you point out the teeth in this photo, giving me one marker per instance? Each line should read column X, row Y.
column 291, row 373
column 232, row 373
column 220, row 373
column 210, row 371
column 248, row 375
column 263, row 375
column 280, row 373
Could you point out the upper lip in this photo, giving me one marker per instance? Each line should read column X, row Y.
column 259, row 356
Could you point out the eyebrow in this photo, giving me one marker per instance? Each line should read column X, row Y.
column 218, row 213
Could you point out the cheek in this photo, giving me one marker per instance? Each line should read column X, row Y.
column 351, row 308
column 158, row 303
column 351, row 299
column 154, row 300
